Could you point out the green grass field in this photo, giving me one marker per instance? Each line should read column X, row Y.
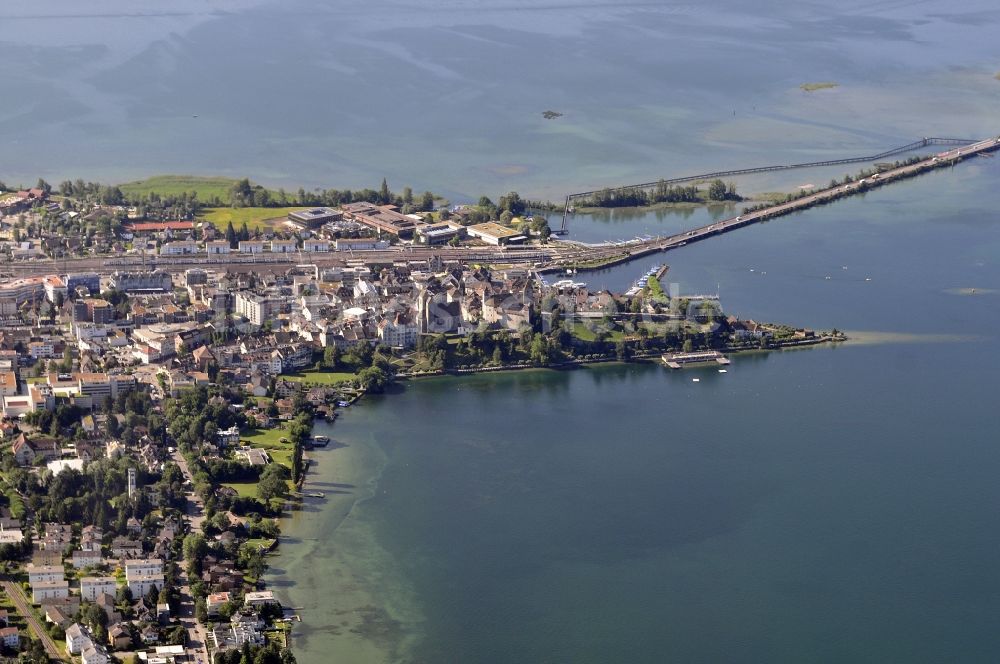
column 321, row 377
column 261, row 543
column 255, row 218
column 207, row 188
column 265, row 438
column 244, row 489
column 270, row 440
column 582, row 332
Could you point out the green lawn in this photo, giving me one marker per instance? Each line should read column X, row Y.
column 321, row 377
column 244, row 489
column 582, row 332
column 254, row 217
column 266, row 438
column 207, row 188
column 270, row 440
column 264, row 544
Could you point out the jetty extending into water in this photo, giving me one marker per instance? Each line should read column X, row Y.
column 679, row 360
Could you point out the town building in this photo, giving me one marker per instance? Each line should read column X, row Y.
column 10, row 637
column 359, row 244
column 315, row 246
column 284, row 246
column 494, row 234
column 256, row 308
column 179, row 248
column 152, row 281
column 382, row 218
column 251, row 246
column 49, row 590
column 89, row 280
column 315, row 217
column 92, row 587
column 44, row 573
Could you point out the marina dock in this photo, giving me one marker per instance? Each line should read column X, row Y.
column 678, row 360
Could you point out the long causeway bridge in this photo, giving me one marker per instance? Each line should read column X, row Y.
column 627, row 251
column 909, row 147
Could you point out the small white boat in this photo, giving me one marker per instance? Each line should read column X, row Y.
column 696, row 380
column 723, row 371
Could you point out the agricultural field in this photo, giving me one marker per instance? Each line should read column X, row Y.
column 256, row 218
column 207, row 188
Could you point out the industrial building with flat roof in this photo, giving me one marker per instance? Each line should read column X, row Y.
column 315, row 217
column 494, row 233
column 383, row 218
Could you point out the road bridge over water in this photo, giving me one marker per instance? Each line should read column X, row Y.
column 944, row 159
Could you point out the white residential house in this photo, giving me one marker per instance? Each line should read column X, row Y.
column 283, row 246
column 399, row 332
column 95, row 654
column 315, row 245
column 251, row 246
column 77, row 638
column 141, row 584
column 179, row 247
column 261, row 598
column 228, row 437
column 44, row 573
column 144, row 566
column 83, row 559
column 92, row 587
column 214, row 601
column 49, row 590
column 142, row 575
column 216, row 247
column 10, row 637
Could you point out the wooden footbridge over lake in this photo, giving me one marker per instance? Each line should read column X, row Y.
column 903, row 149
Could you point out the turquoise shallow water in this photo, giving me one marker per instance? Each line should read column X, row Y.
column 830, row 504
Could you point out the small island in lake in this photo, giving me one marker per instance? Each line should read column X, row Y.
column 813, row 87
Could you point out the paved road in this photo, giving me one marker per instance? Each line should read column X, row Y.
column 20, row 600
column 195, row 512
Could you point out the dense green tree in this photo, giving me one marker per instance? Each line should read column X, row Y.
column 272, row 483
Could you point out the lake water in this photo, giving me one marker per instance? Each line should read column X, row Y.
column 449, row 94
column 832, row 504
